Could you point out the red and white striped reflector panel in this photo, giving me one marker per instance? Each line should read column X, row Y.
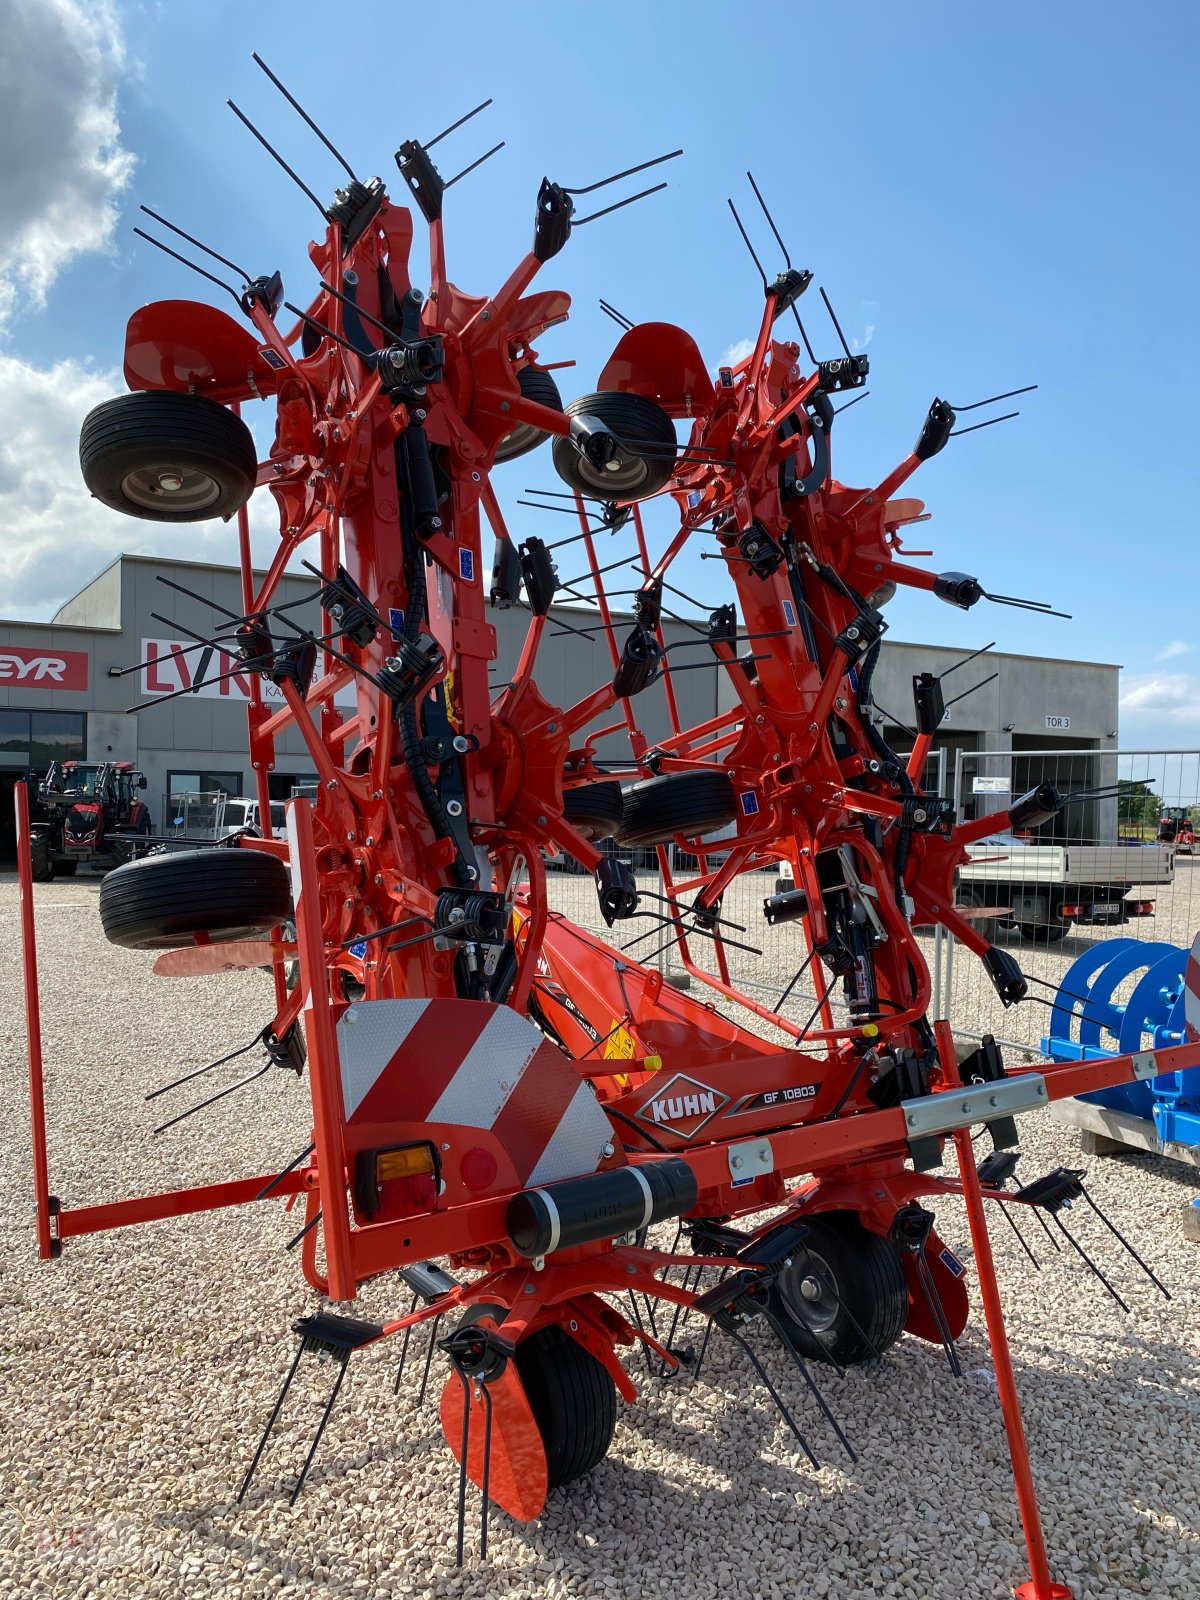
column 477, row 1065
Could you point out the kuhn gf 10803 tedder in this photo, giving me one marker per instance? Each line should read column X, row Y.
column 450, row 1025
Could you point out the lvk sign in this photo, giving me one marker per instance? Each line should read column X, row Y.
column 209, row 673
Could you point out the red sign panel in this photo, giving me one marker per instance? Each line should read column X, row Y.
column 42, row 669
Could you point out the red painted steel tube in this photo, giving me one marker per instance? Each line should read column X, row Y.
column 78, row 1220
column 33, row 1027
column 1041, row 1586
column 324, row 1076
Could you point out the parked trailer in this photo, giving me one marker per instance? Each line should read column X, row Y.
column 1052, row 886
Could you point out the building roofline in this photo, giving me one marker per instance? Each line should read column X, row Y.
column 95, row 578
column 566, row 610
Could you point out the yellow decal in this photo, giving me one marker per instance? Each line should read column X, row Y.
column 619, row 1046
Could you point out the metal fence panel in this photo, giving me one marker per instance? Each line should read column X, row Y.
column 1070, row 885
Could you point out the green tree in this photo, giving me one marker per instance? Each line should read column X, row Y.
column 1138, row 806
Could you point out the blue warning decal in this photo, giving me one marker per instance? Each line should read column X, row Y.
column 749, row 803
column 359, row 950
column 951, row 1261
column 466, row 566
column 695, row 497
column 789, row 613
column 272, row 357
column 396, row 621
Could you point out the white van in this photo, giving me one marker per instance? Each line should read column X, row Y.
column 242, row 816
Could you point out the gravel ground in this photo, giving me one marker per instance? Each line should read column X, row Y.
column 138, row 1370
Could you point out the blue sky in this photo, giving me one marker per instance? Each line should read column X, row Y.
column 993, row 196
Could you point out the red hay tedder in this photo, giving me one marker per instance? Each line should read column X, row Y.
column 464, row 1108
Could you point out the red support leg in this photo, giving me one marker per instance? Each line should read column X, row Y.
column 1040, row 1586
column 324, row 1074
column 47, row 1244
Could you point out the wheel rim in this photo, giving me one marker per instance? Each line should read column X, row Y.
column 808, row 1289
column 629, row 476
column 181, row 489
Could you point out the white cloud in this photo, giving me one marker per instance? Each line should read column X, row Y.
column 1177, row 647
column 869, row 311
column 1161, row 710
column 56, row 536
column 64, row 166
column 738, row 351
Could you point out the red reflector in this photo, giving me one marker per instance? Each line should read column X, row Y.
column 479, row 1168
column 1140, row 908
column 1070, row 911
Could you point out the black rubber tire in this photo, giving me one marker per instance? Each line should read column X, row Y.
column 687, row 804
column 573, row 1400
column 541, row 388
column 1042, row 932
column 39, row 858
column 869, row 1289
column 65, row 869
column 126, row 443
column 161, row 902
column 594, row 809
column 636, row 422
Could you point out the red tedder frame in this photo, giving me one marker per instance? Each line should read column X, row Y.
column 442, row 1006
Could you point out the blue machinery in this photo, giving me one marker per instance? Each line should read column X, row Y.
column 1088, row 1023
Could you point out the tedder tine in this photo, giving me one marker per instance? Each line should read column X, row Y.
column 1089, row 1263
column 462, row 1466
column 1117, row 1234
column 773, row 1392
column 404, row 1347
column 810, row 1381
column 429, row 1348
column 326, row 1335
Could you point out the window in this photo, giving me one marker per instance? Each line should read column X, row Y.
column 229, row 783
column 33, row 739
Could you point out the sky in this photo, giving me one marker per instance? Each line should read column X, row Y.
column 993, row 196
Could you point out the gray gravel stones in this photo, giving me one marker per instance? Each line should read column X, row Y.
column 139, row 1369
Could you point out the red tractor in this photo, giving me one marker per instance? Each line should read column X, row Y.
column 90, row 812
column 1176, row 827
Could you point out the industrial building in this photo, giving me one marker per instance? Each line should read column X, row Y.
column 66, row 692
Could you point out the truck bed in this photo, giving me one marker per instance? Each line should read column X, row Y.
column 991, row 862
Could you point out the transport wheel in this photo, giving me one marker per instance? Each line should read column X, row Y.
column 845, row 1296
column 39, row 858
column 573, row 1400
column 640, row 425
column 689, row 804
column 161, row 902
column 167, row 457
column 594, row 809
column 541, row 388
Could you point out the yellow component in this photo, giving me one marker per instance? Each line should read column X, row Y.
column 619, row 1045
column 405, row 1161
column 651, row 1063
column 870, row 1030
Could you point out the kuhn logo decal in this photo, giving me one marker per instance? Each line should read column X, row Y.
column 682, row 1106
